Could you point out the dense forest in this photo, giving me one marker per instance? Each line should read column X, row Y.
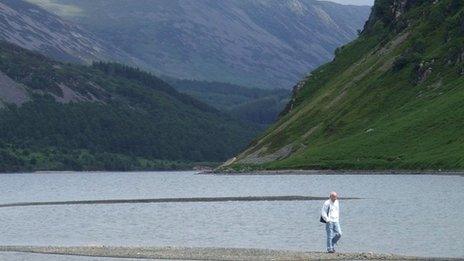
column 106, row 116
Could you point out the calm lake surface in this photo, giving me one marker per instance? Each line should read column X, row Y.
column 402, row 214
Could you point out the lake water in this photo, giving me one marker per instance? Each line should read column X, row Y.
column 402, row 214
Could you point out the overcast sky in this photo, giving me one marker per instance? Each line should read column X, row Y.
column 354, row 2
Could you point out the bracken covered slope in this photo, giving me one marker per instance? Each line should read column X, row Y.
column 392, row 99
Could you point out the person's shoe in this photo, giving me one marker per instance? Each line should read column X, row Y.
column 331, row 251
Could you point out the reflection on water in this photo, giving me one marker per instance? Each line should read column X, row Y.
column 399, row 214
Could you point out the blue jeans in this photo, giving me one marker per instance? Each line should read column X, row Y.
column 334, row 232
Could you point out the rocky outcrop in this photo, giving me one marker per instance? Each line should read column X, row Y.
column 295, row 90
column 11, row 92
column 423, row 71
column 388, row 12
column 399, row 7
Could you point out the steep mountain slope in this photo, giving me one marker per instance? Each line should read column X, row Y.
column 33, row 28
column 264, row 43
column 392, row 99
column 253, row 105
column 62, row 116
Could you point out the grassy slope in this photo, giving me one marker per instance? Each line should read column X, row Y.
column 368, row 109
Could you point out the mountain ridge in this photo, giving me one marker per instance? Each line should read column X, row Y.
column 268, row 44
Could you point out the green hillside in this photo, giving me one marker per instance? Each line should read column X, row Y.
column 58, row 116
column 392, row 99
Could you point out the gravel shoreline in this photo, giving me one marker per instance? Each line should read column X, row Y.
column 187, row 253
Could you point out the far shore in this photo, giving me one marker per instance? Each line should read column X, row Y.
column 336, row 172
column 229, row 172
column 204, row 253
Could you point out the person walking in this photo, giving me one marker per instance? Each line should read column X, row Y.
column 330, row 215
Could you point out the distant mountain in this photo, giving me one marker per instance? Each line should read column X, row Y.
column 252, row 105
column 258, row 43
column 36, row 29
column 61, row 116
column 392, row 99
